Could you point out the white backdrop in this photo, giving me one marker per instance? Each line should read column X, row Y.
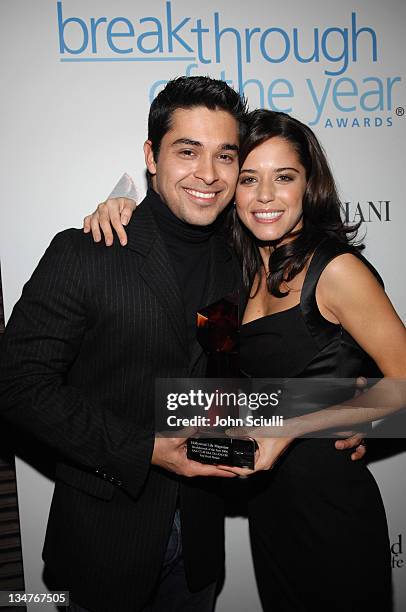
column 74, row 104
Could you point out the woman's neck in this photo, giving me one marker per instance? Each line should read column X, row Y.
column 266, row 251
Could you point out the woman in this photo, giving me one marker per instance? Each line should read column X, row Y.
column 315, row 309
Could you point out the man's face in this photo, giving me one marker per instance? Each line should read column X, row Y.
column 197, row 167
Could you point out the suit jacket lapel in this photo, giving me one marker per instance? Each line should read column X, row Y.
column 221, row 275
column 157, row 271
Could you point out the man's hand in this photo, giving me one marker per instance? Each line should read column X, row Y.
column 115, row 212
column 355, row 441
column 170, row 454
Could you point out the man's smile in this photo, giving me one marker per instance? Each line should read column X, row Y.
column 201, row 195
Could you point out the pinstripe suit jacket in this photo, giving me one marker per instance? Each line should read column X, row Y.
column 93, row 329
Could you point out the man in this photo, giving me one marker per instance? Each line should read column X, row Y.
column 83, row 347
column 92, row 331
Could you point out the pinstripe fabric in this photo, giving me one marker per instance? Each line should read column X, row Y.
column 93, row 329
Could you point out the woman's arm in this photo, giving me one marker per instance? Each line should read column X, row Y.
column 115, row 212
column 349, row 294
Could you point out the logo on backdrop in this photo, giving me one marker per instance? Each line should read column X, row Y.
column 369, row 211
column 397, row 552
column 198, row 45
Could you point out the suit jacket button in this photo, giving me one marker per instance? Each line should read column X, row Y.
column 100, row 471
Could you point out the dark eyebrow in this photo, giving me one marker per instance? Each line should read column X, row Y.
column 187, row 141
column 287, row 168
column 276, row 170
column 195, row 143
column 229, row 147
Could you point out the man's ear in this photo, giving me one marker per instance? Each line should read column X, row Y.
column 149, row 157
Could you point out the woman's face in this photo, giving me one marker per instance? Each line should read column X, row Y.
column 270, row 190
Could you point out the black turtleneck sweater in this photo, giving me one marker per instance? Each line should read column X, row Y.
column 189, row 251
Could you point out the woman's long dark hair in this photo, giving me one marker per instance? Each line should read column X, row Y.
column 322, row 209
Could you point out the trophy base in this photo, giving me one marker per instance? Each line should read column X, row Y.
column 235, row 452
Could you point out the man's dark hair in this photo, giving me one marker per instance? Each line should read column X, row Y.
column 189, row 92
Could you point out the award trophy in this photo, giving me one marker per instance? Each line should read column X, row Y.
column 217, row 332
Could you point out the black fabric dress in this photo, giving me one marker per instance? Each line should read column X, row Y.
column 318, row 529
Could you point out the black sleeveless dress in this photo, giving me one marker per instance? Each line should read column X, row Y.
column 318, row 529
